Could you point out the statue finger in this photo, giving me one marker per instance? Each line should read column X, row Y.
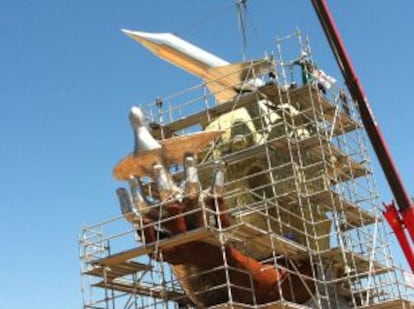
column 125, row 202
column 166, row 187
column 139, row 203
column 192, row 181
column 217, row 184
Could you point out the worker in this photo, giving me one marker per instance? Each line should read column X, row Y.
column 306, row 66
column 344, row 101
column 311, row 73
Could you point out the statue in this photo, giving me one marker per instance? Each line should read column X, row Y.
column 199, row 265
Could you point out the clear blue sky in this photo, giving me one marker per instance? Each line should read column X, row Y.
column 68, row 77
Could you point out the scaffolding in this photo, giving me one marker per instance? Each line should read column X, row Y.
column 299, row 187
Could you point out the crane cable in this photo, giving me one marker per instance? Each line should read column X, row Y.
column 246, row 23
column 241, row 6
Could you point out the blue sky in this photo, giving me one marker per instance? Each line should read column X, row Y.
column 68, row 77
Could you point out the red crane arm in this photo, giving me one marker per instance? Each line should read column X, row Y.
column 394, row 220
column 405, row 207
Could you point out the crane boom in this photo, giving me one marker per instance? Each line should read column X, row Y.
column 405, row 214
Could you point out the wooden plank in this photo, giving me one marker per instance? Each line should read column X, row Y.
column 304, row 98
column 135, row 288
column 301, row 98
column 329, row 200
column 360, row 296
column 355, row 216
column 201, row 234
column 230, row 306
column 283, row 246
column 344, row 169
column 311, row 102
column 392, row 304
column 202, row 117
column 118, row 270
column 358, row 265
column 274, row 305
column 283, row 305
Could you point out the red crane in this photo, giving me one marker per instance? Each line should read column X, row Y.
column 400, row 215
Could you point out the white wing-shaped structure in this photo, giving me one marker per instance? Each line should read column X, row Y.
column 223, row 79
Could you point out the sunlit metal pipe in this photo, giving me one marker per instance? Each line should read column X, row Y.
column 125, row 203
column 192, row 181
column 138, row 201
column 166, row 188
column 217, row 185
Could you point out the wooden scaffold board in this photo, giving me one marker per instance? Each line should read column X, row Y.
column 116, row 270
column 355, row 215
column 274, row 305
column 146, row 291
column 301, row 98
column 310, row 101
column 348, row 263
column 391, row 304
column 280, row 244
column 201, row 234
column 319, row 146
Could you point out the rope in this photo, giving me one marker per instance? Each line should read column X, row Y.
column 241, row 6
column 246, row 22
column 256, row 32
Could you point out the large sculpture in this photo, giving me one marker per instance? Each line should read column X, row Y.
column 201, row 267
